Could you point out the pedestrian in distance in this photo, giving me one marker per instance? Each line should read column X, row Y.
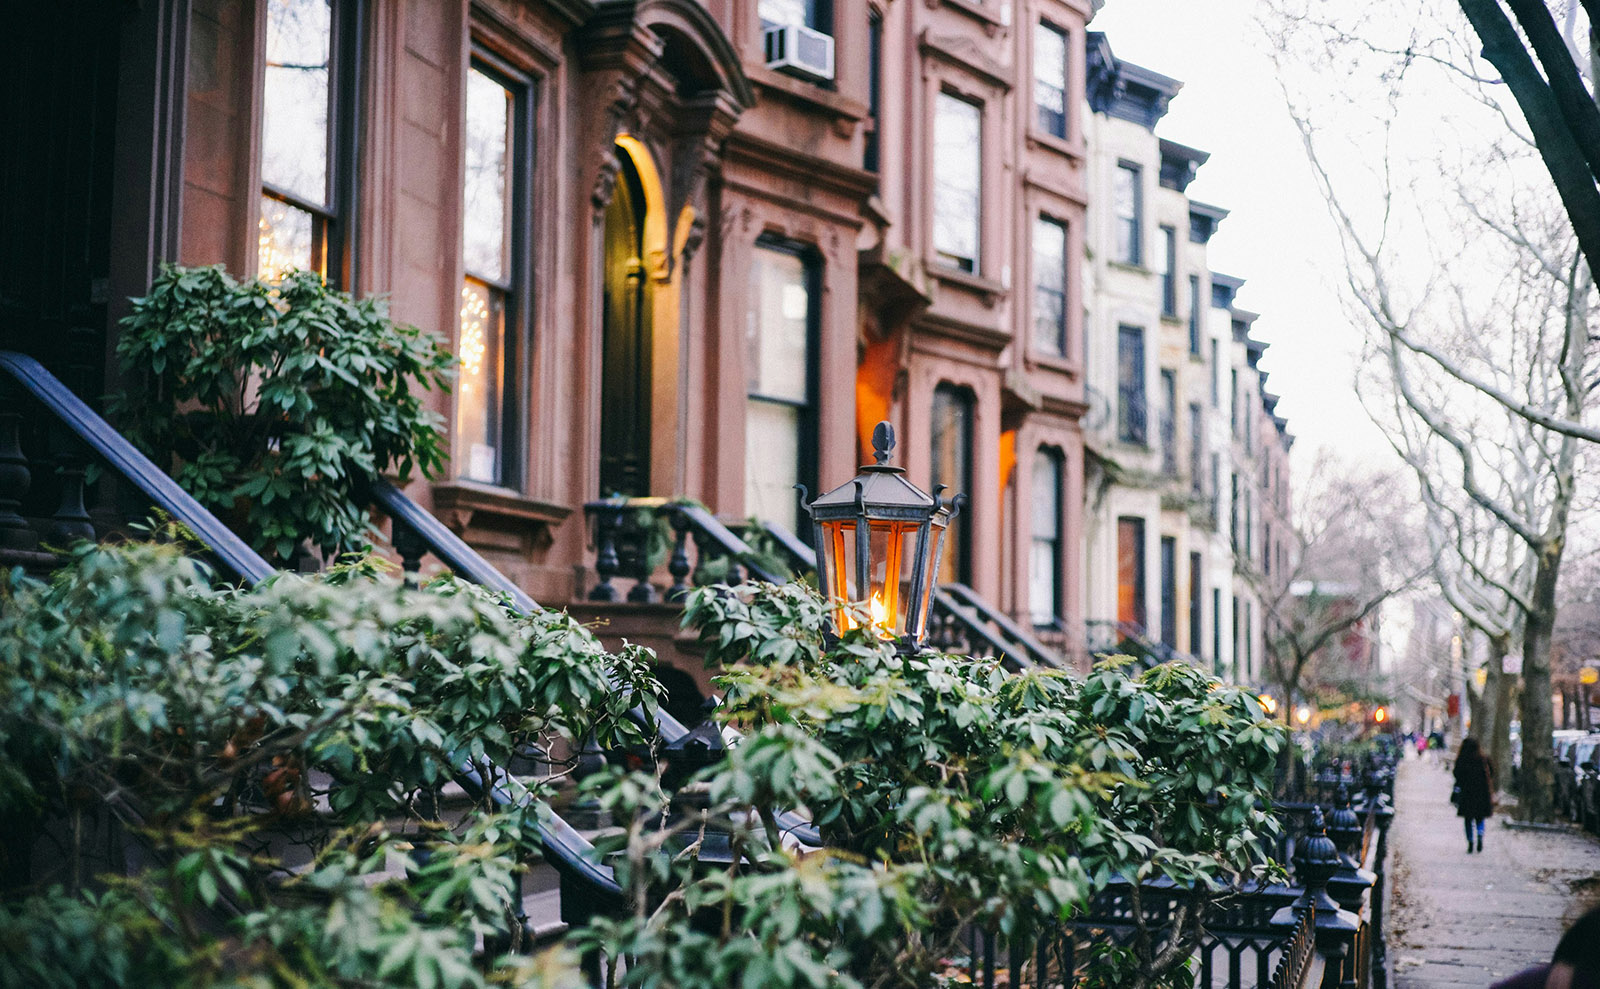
column 1575, row 964
column 1474, row 790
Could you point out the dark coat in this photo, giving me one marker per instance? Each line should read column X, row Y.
column 1475, row 777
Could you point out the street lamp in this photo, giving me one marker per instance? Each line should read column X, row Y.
column 878, row 539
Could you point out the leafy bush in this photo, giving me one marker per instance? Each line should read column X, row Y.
column 948, row 794
column 277, row 752
column 278, row 403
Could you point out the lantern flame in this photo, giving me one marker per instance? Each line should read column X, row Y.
column 879, row 610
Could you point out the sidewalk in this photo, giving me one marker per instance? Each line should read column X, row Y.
column 1459, row 920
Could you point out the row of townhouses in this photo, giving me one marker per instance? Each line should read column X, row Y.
column 698, row 248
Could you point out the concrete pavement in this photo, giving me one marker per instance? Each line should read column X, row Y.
column 1459, row 920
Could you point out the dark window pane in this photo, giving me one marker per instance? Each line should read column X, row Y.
column 1131, row 424
column 952, row 467
column 1169, row 591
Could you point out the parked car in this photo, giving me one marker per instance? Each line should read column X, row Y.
column 1573, row 761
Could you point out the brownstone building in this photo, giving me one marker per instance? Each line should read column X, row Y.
column 679, row 247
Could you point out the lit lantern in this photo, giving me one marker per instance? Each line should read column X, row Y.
column 878, row 540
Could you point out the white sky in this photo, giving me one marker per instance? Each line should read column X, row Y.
column 1278, row 235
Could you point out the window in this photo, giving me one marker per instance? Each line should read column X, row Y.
column 1131, row 426
column 814, row 14
column 1127, row 203
column 1216, row 630
column 497, row 137
column 1130, row 572
column 952, row 467
column 1194, row 315
column 1169, row 423
column 308, row 139
column 1050, row 78
column 1237, row 673
column 869, row 154
column 1249, row 640
column 1266, row 549
column 780, row 407
column 1233, row 400
column 1169, row 591
column 1233, row 515
column 1197, row 448
column 1050, row 286
column 1044, row 570
column 1216, row 369
column 1216, row 488
column 1169, row 271
column 1194, row 603
column 957, row 181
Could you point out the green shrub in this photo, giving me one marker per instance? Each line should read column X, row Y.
column 277, row 404
column 948, row 794
column 131, row 689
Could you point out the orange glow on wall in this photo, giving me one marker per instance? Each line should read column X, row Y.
column 1008, row 457
column 874, row 390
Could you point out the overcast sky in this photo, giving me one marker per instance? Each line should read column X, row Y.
column 1278, row 236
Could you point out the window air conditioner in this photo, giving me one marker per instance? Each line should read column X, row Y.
column 798, row 49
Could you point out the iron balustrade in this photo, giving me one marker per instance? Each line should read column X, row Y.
column 86, row 427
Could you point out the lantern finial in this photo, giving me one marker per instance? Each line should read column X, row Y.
column 882, row 442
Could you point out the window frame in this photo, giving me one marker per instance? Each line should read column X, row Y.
column 1039, row 112
column 1057, row 459
column 1167, row 420
column 1196, row 592
column 959, row 534
column 1194, row 315
column 974, row 264
column 1168, row 565
column 1138, row 613
column 808, row 440
column 1133, row 414
column 1061, row 348
column 333, row 229
column 1134, row 221
column 1168, row 239
column 517, row 290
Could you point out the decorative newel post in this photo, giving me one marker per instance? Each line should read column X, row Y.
column 1315, row 861
column 1350, row 882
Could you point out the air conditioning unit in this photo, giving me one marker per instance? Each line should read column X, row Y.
column 798, row 49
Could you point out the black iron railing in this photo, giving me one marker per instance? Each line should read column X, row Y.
column 87, row 433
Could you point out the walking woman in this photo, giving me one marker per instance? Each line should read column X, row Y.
column 1474, row 796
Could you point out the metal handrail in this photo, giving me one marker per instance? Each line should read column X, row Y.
column 139, row 470
column 1035, row 651
column 565, row 844
column 729, row 543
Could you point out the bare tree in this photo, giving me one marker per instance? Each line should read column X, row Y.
column 1488, row 349
column 1346, row 563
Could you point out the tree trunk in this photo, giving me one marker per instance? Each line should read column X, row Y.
column 1535, row 801
column 1499, row 688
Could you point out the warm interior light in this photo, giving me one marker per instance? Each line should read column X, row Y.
column 1303, row 714
column 1380, row 715
column 1269, row 703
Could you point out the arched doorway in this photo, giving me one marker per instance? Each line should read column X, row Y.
column 626, row 338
